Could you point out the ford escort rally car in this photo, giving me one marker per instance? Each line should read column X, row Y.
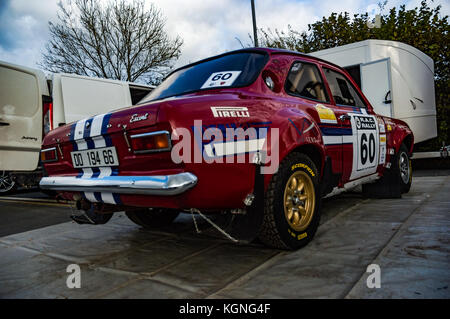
column 263, row 134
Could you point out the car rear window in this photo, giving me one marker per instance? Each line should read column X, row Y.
column 226, row 71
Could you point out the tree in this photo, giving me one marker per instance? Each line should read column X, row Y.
column 118, row 40
column 423, row 28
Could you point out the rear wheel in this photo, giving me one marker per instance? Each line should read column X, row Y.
column 292, row 204
column 152, row 217
column 7, row 183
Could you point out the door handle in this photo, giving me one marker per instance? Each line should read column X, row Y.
column 4, row 124
column 344, row 117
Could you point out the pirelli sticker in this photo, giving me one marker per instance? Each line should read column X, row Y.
column 326, row 114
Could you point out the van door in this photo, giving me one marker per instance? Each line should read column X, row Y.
column 77, row 97
column 21, row 94
column 376, row 85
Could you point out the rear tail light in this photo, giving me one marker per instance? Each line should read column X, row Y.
column 151, row 142
column 47, row 115
column 49, row 155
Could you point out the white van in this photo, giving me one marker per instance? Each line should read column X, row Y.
column 397, row 79
column 31, row 105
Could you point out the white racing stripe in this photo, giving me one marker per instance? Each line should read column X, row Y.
column 87, row 172
column 235, row 147
column 105, row 171
column 90, row 197
column 108, row 198
column 99, row 141
column 332, row 139
column 78, row 135
column 96, row 128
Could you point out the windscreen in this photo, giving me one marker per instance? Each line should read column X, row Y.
column 232, row 70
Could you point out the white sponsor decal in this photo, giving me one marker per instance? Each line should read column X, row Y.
column 220, row 79
column 230, row 111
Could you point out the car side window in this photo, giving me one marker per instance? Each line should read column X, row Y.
column 342, row 90
column 304, row 80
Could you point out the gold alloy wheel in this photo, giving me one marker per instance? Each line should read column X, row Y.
column 299, row 201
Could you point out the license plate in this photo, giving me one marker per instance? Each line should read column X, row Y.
column 99, row 157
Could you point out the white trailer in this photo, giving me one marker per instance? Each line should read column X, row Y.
column 397, row 79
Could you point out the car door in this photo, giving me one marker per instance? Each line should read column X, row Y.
column 360, row 129
column 306, row 82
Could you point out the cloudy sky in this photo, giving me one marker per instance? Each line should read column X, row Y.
column 208, row 27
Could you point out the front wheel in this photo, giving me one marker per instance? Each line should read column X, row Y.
column 292, row 204
column 395, row 181
column 152, row 217
column 404, row 169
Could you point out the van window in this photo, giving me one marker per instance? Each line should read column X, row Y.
column 304, row 80
column 342, row 90
column 138, row 93
column 19, row 93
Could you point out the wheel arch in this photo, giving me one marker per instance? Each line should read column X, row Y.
column 408, row 140
column 314, row 153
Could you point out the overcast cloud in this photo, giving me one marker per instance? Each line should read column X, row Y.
column 208, row 27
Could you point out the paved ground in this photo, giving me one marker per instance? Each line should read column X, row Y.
column 408, row 238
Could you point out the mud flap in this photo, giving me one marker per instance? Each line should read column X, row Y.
column 245, row 228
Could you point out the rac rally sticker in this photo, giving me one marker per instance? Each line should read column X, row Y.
column 326, row 114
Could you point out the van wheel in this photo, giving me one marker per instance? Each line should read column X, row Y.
column 152, row 217
column 395, row 181
column 292, row 204
column 7, row 183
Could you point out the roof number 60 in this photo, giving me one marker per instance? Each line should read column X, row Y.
column 220, row 76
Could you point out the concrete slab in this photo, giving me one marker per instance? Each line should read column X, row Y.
column 215, row 268
column 94, row 282
column 304, row 274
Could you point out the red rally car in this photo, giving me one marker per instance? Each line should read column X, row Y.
column 263, row 134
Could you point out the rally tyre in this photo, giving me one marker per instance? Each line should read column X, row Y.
column 151, row 218
column 404, row 169
column 292, row 204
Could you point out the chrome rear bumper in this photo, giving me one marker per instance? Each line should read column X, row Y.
column 140, row 185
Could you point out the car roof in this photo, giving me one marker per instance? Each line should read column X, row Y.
column 270, row 51
column 291, row 52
